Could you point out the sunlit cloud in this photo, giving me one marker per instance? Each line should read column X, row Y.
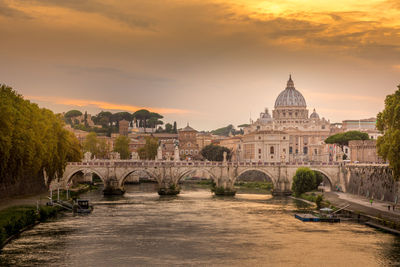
column 103, row 105
column 396, row 67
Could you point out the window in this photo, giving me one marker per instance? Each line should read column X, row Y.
column 191, row 151
column 316, row 151
column 259, row 151
column 259, row 138
column 305, row 150
column 182, row 152
column 323, row 126
column 188, row 144
column 186, row 152
column 195, row 152
column 271, row 150
column 259, row 157
column 284, row 138
column 290, row 150
column 297, row 151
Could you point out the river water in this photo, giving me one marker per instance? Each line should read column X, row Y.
column 196, row 228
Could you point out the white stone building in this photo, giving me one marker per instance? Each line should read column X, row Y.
column 293, row 134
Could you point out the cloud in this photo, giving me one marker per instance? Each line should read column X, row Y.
column 396, row 67
column 102, row 70
column 103, row 105
column 96, row 7
column 7, row 11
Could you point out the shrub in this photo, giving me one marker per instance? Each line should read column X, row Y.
column 318, row 201
column 303, row 181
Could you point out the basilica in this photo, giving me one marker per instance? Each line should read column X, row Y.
column 289, row 135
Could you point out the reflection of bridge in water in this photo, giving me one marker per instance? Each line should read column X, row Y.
column 114, row 173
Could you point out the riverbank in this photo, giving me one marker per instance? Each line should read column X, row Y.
column 360, row 209
column 15, row 219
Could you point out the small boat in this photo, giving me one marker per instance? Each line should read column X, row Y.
column 82, row 206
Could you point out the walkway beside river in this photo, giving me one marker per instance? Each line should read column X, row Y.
column 362, row 204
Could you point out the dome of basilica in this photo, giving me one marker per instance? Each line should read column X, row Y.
column 290, row 97
column 314, row 115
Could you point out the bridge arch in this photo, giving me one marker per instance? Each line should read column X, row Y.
column 83, row 170
column 326, row 176
column 190, row 171
column 126, row 174
column 269, row 175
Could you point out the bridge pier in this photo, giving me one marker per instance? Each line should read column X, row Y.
column 112, row 187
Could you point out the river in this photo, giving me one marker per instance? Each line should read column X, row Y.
column 196, row 228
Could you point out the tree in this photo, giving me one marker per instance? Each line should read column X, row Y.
column 98, row 147
column 215, row 152
column 175, row 129
column 388, row 122
column 32, row 140
column 149, row 151
column 72, row 113
column 342, row 139
column 168, row 128
column 303, row 181
column 122, row 146
column 85, row 119
column 90, row 143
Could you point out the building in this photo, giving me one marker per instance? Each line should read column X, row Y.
column 291, row 133
column 364, row 151
column 234, row 144
column 188, row 146
column 123, row 127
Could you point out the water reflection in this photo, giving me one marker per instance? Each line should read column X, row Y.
column 196, row 228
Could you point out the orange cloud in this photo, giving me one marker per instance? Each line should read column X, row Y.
column 103, row 105
column 396, row 67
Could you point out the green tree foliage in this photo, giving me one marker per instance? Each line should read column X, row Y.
column 149, row 151
column 72, row 113
column 103, row 118
column 98, row 147
column 244, row 125
column 146, row 119
column 122, row 146
column 168, row 128
column 215, row 153
column 343, row 139
column 32, row 140
column 388, row 122
column 319, row 177
column 303, row 181
column 175, row 129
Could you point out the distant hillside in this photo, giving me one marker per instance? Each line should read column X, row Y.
column 225, row 131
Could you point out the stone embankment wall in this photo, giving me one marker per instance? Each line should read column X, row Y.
column 372, row 181
column 23, row 186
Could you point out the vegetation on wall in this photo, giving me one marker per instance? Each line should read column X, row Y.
column 32, row 139
column 388, row 122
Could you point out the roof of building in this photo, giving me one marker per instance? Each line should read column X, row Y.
column 314, row 115
column 187, row 129
column 290, row 97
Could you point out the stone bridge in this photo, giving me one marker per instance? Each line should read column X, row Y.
column 224, row 174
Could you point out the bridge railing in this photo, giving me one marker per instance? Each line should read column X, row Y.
column 153, row 163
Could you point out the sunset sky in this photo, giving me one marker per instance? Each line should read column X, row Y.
column 209, row 63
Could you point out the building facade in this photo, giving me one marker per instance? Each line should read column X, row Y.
column 293, row 134
column 364, row 151
column 188, row 146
